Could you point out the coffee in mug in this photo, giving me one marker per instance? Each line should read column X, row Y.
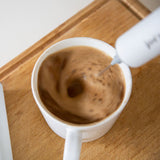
column 70, row 88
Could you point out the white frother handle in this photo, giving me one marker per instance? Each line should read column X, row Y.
column 142, row 42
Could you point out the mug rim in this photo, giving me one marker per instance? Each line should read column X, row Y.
column 40, row 104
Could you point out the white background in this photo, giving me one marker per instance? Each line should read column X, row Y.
column 24, row 22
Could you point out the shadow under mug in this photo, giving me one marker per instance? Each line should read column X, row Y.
column 75, row 134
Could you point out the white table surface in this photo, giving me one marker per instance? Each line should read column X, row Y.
column 24, row 22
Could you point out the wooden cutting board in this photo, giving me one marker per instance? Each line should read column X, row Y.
column 136, row 134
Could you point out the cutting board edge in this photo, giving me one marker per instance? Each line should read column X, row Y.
column 136, row 7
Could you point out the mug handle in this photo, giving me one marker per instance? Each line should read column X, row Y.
column 73, row 142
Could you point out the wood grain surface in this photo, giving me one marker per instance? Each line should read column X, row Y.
column 136, row 134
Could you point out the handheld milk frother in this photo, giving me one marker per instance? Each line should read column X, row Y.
column 140, row 44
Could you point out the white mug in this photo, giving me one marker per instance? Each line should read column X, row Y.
column 75, row 134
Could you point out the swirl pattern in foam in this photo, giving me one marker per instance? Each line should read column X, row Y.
column 70, row 88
